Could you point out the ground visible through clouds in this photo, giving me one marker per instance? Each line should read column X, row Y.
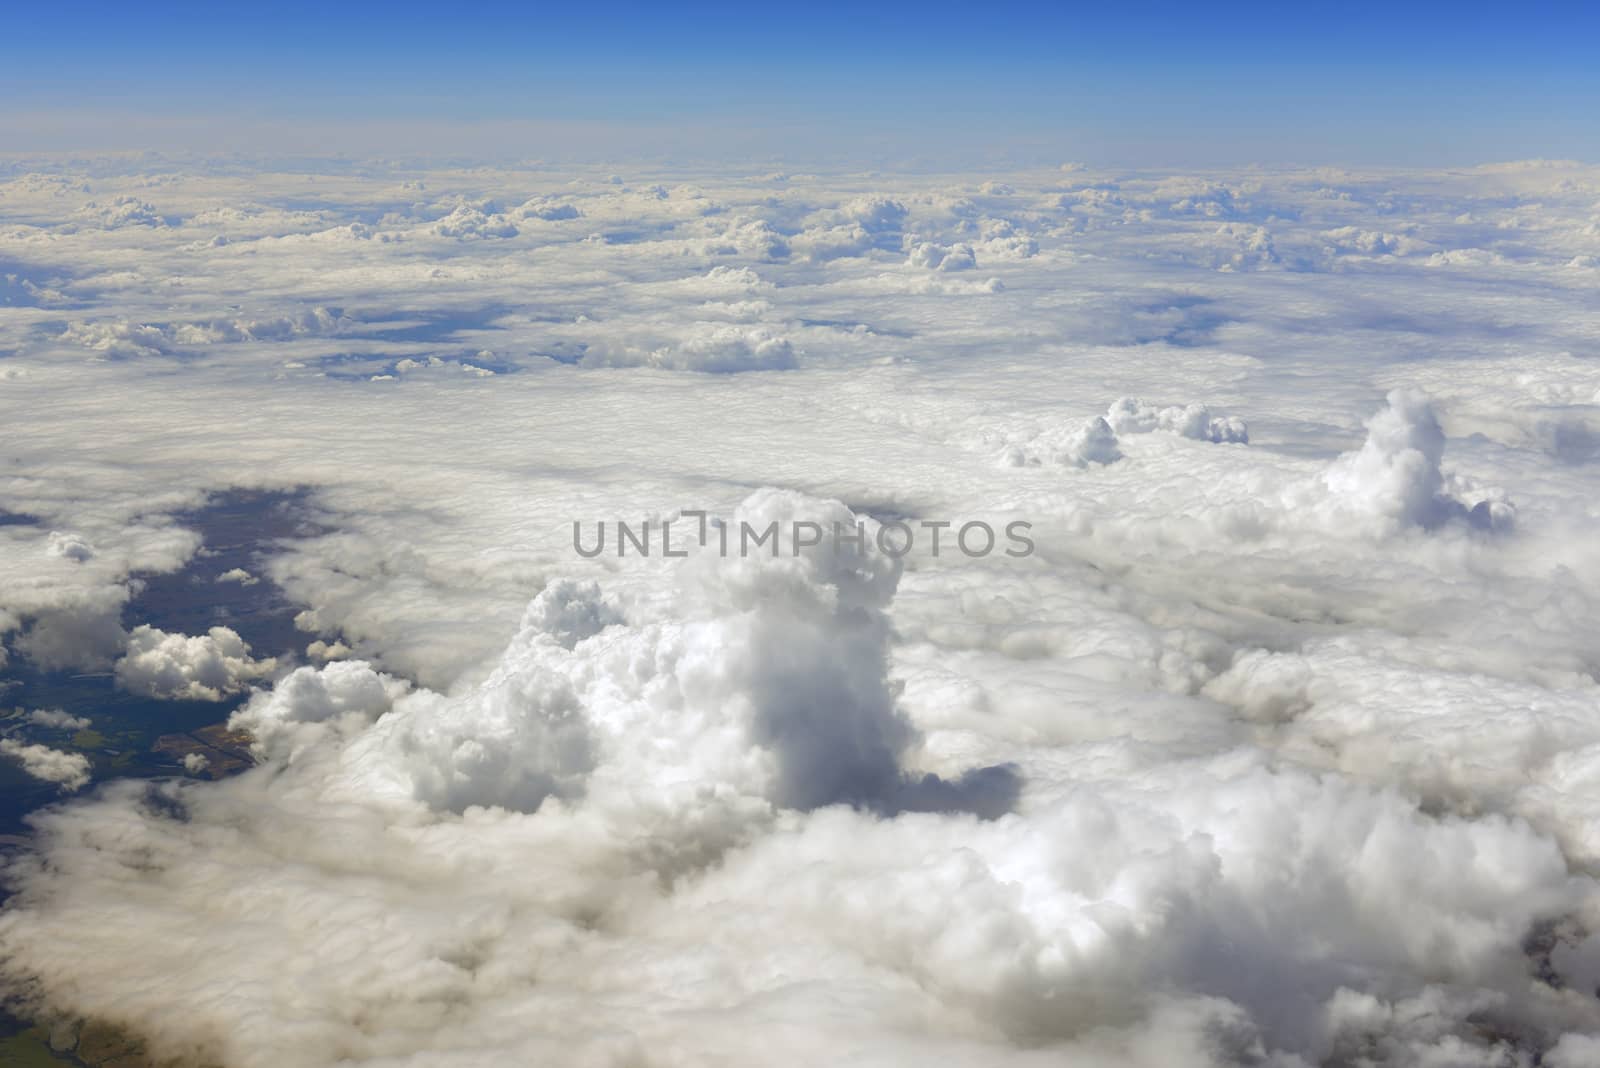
column 322, row 745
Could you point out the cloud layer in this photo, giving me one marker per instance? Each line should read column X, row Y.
column 1279, row 750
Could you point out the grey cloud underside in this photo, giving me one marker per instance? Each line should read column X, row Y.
column 1280, row 750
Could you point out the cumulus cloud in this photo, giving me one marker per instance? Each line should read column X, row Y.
column 69, row 546
column 77, row 628
column 119, row 212
column 757, row 239
column 309, row 703
column 855, row 228
column 549, row 209
column 205, row 667
column 1130, row 416
column 775, row 689
column 130, row 339
column 876, row 214
column 1369, row 242
column 1395, row 479
column 712, row 348
column 1276, row 755
column 56, row 719
column 68, row 770
column 474, row 222
column 1091, row 442
column 941, row 257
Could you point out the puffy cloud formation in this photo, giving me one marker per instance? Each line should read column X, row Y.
column 119, row 212
column 130, row 339
column 321, row 650
column 72, row 626
column 1395, row 480
column 55, row 718
column 69, row 770
column 941, row 257
column 981, row 940
column 548, row 209
column 1280, row 754
column 1369, row 242
column 206, row 667
column 876, row 214
column 69, row 547
column 470, row 221
column 1091, row 442
column 773, row 689
column 309, row 704
column 1395, row 475
column 1129, row 416
column 757, row 239
column 708, row 347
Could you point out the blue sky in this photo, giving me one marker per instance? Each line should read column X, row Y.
column 1133, row 82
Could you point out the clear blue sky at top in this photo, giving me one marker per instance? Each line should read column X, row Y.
column 1494, row 81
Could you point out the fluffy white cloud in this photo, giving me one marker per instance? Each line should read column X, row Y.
column 308, row 703
column 1395, row 479
column 118, row 212
column 69, row 546
column 549, row 209
column 469, row 221
column 772, row 688
column 206, row 667
column 941, row 257
column 56, row 719
column 708, row 347
column 1130, row 416
column 69, row 770
column 1280, row 749
column 1091, row 442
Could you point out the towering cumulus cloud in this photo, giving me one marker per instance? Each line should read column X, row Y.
column 1279, row 747
column 768, row 686
column 1394, row 480
column 718, row 800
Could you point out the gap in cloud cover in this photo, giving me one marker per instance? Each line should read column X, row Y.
column 106, row 678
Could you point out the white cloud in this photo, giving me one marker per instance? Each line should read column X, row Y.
column 56, row 719
column 1130, row 416
column 69, row 547
column 468, row 221
column 321, row 650
column 1395, row 479
column 942, row 257
column 206, row 667
column 118, row 212
column 1286, row 733
column 550, row 209
column 69, row 770
column 308, row 703
column 707, row 347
